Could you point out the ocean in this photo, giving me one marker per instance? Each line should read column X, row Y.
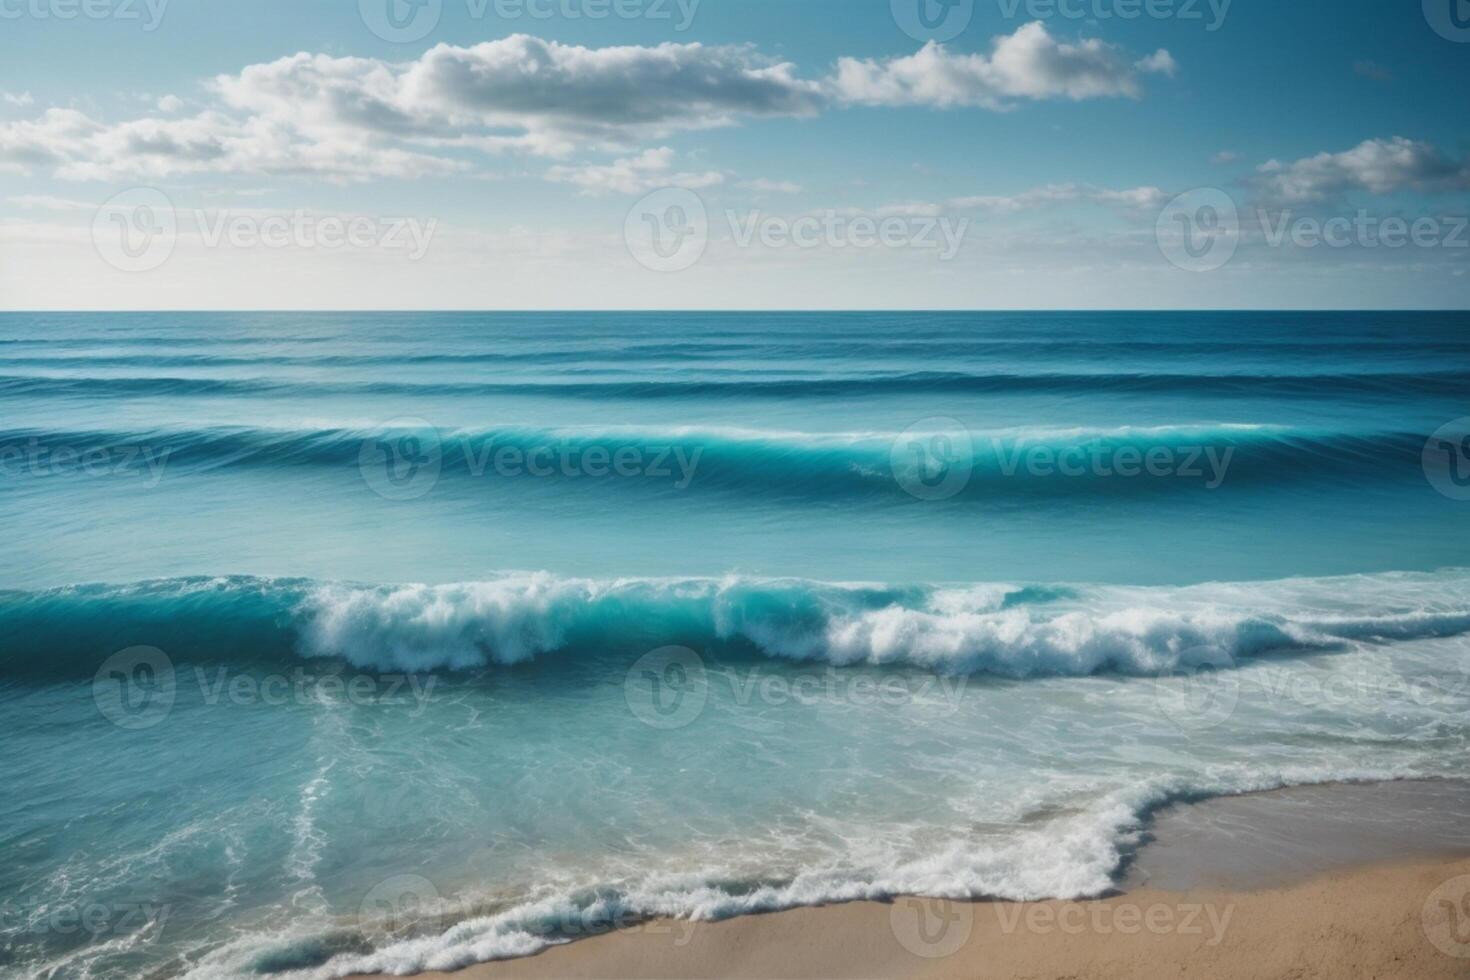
column 340, row 643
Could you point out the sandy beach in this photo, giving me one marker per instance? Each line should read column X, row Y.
column 1340, row 881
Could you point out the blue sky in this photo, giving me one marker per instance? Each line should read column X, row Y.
column 499, row 155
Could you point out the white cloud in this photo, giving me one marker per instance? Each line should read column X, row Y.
column 47, row 202
column 1133, row 201
column 77, row 147
column 1378, row 166
column 354, row 118
column 1161, row 62
column 1224, row 157
column 346, row 118
column 541, row 91
column 16, row 98
column 905, row 209
column 648, row 171
column 1029, row 64
column 765, row 186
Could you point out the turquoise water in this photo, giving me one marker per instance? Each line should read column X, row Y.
column 402, row 641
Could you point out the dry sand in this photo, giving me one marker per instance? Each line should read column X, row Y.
column 1267, row 886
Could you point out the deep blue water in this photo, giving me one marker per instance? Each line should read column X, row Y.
column 395, row 641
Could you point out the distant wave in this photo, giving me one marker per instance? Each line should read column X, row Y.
column 791, row 465
column 202, row 351
column 759, row 385
column 1004, row 630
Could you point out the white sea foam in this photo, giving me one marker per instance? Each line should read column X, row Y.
column 991, row 628
column 1069, row 858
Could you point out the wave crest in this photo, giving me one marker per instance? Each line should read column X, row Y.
column 1005, row 630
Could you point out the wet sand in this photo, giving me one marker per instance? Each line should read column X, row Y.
column 1334, row 881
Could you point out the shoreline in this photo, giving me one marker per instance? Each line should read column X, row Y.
column 1341, row 879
